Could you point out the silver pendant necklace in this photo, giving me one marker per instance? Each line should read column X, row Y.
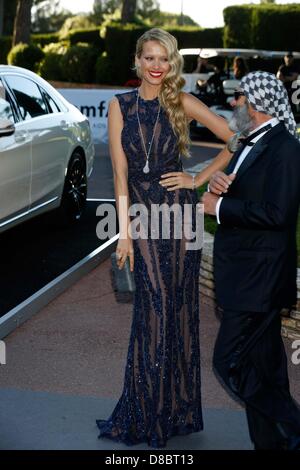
column 146, row 168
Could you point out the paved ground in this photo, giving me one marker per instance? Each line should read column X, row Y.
column 57, row 422
column 65, row 368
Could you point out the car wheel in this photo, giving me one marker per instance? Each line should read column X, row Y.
column 75, row 189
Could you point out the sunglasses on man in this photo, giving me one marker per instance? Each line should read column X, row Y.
column 237, row 94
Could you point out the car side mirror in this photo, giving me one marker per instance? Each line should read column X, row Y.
column 7, row 128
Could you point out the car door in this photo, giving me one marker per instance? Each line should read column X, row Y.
column 49, row 141
column 15, row 164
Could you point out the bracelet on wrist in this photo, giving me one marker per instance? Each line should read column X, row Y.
column 194, row 184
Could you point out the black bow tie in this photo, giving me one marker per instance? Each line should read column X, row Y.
column 248, row 140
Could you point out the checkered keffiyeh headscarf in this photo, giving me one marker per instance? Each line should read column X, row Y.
column 268, row 95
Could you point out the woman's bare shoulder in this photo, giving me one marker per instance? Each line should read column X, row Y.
column 187, row 99
column 114, row 106
column 114, row 103
column 192, row 105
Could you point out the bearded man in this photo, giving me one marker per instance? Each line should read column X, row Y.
column 255, row 258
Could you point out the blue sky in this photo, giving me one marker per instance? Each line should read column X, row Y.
column 207, row 14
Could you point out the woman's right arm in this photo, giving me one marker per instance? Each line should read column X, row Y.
column 120, row 173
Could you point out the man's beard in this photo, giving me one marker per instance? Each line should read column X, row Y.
column 241, row 120
column 241, row 123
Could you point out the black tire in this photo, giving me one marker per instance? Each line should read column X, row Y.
column 74, row 195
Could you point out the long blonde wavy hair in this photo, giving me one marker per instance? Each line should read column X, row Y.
column 169, row 95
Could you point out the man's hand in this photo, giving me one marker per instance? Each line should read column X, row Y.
column 210, row 201
column 220, row 182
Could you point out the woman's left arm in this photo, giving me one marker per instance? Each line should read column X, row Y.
column 197, row 110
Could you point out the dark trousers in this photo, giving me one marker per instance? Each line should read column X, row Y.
column 250, row 359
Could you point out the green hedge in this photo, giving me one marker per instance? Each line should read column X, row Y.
column 78, row 63
column 89, row 36
column 274, row 27
column 5, row 46
column 25, row 55
column 196, row 37
column 42, row 40
column 104, row 69
column 238, row 26
column 120, row 47
column 63, row 62
column 114, row 55
column 50, row 67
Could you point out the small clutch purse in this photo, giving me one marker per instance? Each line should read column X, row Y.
column 124, row 279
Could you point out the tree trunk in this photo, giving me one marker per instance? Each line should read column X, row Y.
column 128, row 11
column 1, row 16
column 22, row 22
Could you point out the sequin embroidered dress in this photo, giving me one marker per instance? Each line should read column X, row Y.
column 161, row 395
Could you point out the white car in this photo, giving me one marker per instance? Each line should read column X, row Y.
column 46, row 150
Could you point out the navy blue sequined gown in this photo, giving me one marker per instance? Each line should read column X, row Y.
column 161, row 395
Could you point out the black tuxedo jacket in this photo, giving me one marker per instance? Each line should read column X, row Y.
column 255, row 254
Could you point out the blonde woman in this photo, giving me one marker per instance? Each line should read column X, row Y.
column 148, row 131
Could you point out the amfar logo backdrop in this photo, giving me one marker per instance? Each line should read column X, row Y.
column 94, row 105
column 296, row 353
column 2, row 353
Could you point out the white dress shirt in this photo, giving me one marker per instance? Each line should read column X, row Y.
column 247, row 149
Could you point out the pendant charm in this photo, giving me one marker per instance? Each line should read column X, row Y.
column 146, row 168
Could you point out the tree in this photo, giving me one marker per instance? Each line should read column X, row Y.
column 48, row 16
column 128, row 11
column 267, row 1
column 76, row 22
column 1, row 16
column 97, row 14
column 110, row 6
column 22, row 22
column 147, row 9
column 104, row 7
column 9, row 14
column 163, row 19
